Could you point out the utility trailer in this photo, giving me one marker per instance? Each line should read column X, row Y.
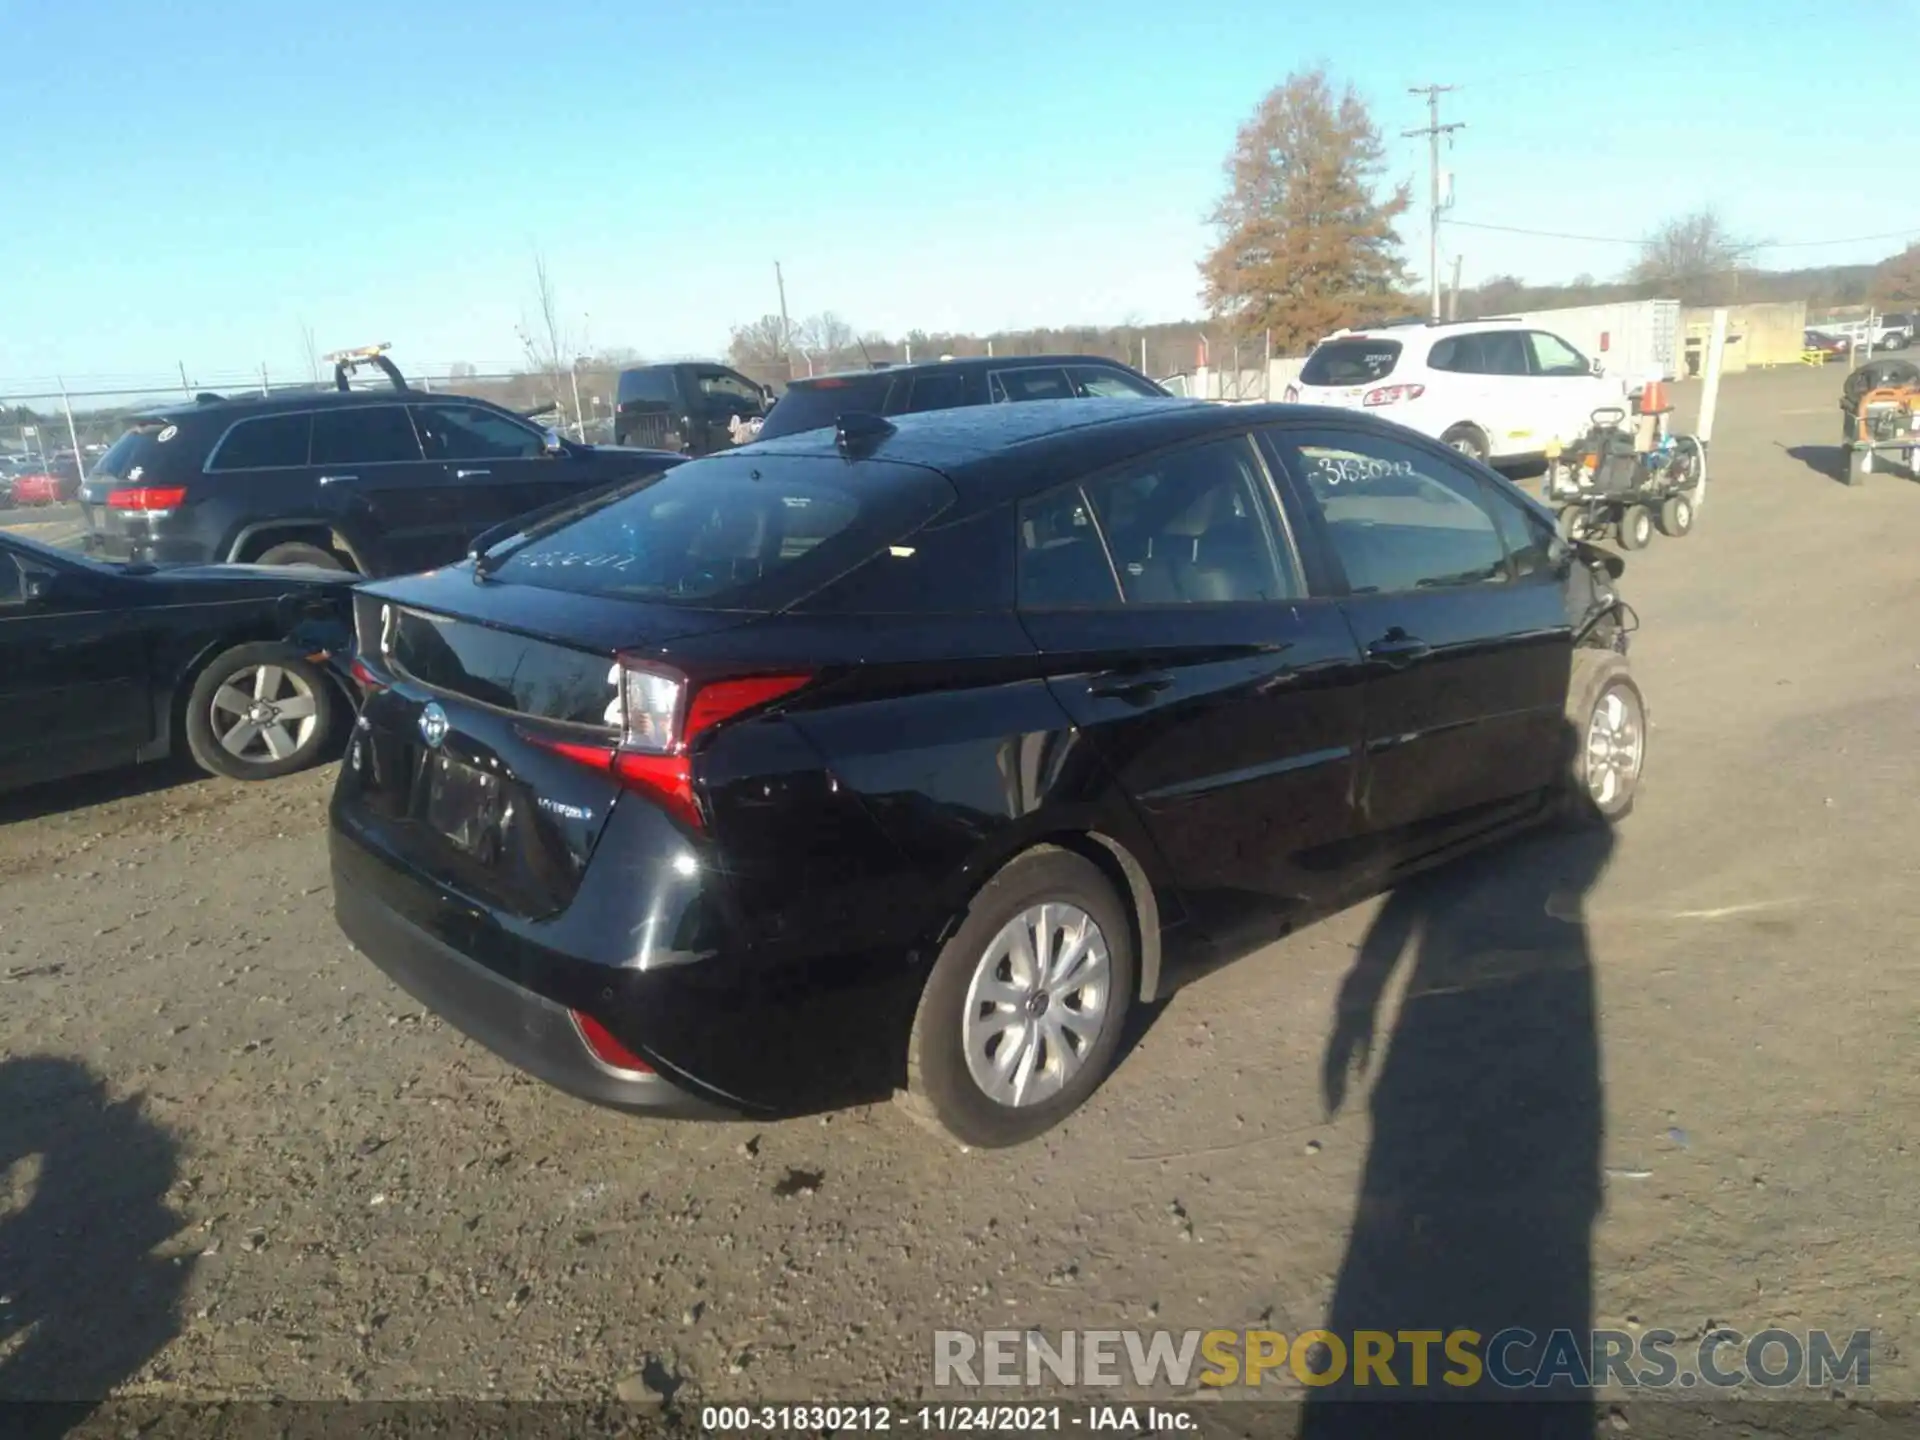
column 1880, row 415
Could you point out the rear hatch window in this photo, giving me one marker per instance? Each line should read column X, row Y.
column 647, row 387
column 731, row 532
column 1354, row 360
column 158, row 452
column 812, row 404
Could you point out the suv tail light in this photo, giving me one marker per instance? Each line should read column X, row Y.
column 147, row 497
column 661, row 713
column 1392, row 394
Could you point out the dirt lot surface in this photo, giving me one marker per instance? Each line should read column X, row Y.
column 1667, row 1085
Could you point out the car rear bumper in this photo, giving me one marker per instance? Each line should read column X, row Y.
column 143, row 549
column 527, row 1030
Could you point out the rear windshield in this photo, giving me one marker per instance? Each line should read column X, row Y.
column 142, row 449
column 1357, row 361
column 809, row 405
column 731, row 532
column 653, row 387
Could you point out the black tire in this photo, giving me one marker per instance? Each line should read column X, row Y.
column 1599, row 677
column 1469, row 440
column 941, row 1089
column 1636, row 528
column 297, row 552
column 259, row 756
column 1676, row 516
column 1573, row 524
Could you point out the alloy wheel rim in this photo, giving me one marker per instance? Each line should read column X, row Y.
column 1038, row 1002
column 264, row 714
column 1615, row 746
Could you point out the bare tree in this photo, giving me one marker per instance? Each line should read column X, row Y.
column 761, row 343
column 826, row 338
column 1690, row 253
column 549, row 344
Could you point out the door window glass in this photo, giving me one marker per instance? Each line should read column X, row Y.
column 1189, row 526
column 364, row 435
column 1040, row 383
column 1530, row 541
column 13, row 589
column 1399, row 517
column 273, row 442
column 1503, row 352
column 1101, row 383
column 466, row 432
column 718, row 384
column 1553, row 356
column 1061, row 562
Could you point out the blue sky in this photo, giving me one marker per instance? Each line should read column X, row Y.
column 190, row 182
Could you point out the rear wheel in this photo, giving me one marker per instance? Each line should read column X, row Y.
column 1024, row 1006
column 1468, row 440
column 296, row 552
column 1676, row 516
column 1607, row 731
column 1636, row 528
column 259, row 711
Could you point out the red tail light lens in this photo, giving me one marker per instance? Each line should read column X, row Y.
column 1392, row 394
column 147, row 497
column 607, row 1050
column 660, row 722
column 363, row 673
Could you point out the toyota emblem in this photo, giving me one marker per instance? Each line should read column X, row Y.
column 433, row 725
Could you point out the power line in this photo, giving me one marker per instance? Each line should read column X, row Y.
column 1624, row 240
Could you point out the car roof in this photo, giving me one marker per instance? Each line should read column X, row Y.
column 235, row 407
column 962, row 362
column 993, row 453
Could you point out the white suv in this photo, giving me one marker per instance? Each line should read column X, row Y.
column 1496, row 390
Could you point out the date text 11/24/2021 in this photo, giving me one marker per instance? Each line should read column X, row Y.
column 943, row 1419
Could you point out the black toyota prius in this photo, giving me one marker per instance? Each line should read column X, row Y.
column 885, row 756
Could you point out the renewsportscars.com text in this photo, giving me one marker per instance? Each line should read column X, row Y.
column 1512, row 1359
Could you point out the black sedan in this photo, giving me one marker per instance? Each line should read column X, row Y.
column 107, row 665
column 886, row 755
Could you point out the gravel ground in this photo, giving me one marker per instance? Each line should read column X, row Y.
column 236, row 1162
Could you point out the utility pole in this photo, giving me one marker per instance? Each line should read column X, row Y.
column 1453, row 292
column 1433, row 131
column 786, row 326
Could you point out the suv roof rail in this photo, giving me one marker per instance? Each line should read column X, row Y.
column 345, row 362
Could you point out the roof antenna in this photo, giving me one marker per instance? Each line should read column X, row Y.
column 863, row 351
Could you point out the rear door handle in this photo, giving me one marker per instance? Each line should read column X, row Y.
column 1128, row 685
column 469, row 474
column 1398, row 649
column 336, row 479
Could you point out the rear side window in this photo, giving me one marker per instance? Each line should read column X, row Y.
column 732, row 532
column 466, row 432
column 141, row 449
column 651, row 386
column 809, row 405
column 1048, row 382
column 937, row 390
column 364, row 435
column 272, row 442
column 965, row 567
column 1063, row 564
column 1354, row 361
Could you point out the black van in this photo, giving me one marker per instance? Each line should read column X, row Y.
column 687, row 407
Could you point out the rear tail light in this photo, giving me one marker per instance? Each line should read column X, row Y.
column 605, row 1048
column 1291, row 394
column 147, row 497
column 363, row 673
column 661, row 713
column 1392, row 394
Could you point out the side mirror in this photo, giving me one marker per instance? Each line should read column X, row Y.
column 40, row 585
column 554, row 444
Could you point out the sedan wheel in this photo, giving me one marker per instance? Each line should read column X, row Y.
column 1037, row 1004
column 1607, row 719
column 1025, row 1004
column 259, row 711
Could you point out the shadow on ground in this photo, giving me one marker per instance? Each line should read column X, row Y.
column 1829, row 461
column 57, row 797
column 1482, row 1182
column 85, row 1184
